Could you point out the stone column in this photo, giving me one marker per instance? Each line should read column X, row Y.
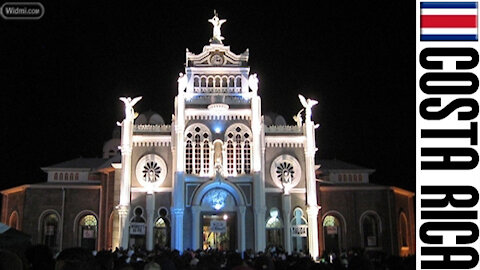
column 196, row 227
column 310, row 149
column 150, row 219
column 126, row 149
column 258, row 167
column 123, row 211
column 241, row 228
column 178, row 193
column 287, row 210
column 259, row 212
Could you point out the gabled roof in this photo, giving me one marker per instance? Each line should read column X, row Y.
column 78, row 163
column 338, row 165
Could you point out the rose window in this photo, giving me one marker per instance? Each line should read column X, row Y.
column 285, row 172
column 151, row 172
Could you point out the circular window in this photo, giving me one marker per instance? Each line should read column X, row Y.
column 151, row 170
column 285, row 172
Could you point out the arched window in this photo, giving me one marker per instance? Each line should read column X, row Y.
column 231, row 82
column 196, row 82
column 403, row 230
column 332, row 233
column 217, row 82
column 238, row 160
column 224, row 82
column 87, row 232
column 13, row 220
column 76, row 176
column 55, row 176
column 274, row 228
column 197, row 150
column 61, row 176
column 203, row 82
column 162, row 229
column 370, row 230
column 71, row 176
column 210, row 81
column 50, row 231
column 340, row 178
column 238, row 82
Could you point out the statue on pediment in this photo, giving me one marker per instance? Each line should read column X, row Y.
column 217, row 23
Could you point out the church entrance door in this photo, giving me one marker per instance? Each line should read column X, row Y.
column 219, row 230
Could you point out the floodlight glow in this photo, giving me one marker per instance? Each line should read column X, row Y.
column 225, row 217
column 218, row 130
column 218, row 206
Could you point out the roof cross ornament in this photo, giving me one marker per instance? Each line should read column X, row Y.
column 217, row 23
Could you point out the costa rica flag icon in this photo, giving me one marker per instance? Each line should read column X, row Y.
column 448, row 21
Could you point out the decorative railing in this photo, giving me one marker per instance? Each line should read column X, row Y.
column 152, row 128
column 283, row 129
column 215, row 90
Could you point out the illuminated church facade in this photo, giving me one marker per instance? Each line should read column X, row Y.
column 222, row 175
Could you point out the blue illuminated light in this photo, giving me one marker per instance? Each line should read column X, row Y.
column 216, row 198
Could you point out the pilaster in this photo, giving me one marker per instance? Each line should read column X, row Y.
column 241, row 228
column 196, row 227
column 150, row 219
column 287, row 210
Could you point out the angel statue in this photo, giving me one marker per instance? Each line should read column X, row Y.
column 308, row 104
column 182, row 82
column 217, row 23
column 129, row 103
column 298, row 118
column 253, row 82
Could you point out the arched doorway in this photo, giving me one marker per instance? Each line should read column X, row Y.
column 274, row 228
column 218, row 215
column 137, row 228
column 298, row 226
column 161, row 230
column 370, row 230
column 87, row 232
column 332, row 233
column 49, row 226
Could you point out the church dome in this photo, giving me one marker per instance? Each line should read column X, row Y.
column 149, row 117
column 274, row 119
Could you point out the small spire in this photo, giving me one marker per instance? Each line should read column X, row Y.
column 217, row 23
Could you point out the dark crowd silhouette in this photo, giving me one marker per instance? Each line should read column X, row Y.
column 40, row 257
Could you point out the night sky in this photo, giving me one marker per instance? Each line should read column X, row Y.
column 62, row 75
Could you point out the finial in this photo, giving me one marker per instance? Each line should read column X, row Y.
column 217, row 23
